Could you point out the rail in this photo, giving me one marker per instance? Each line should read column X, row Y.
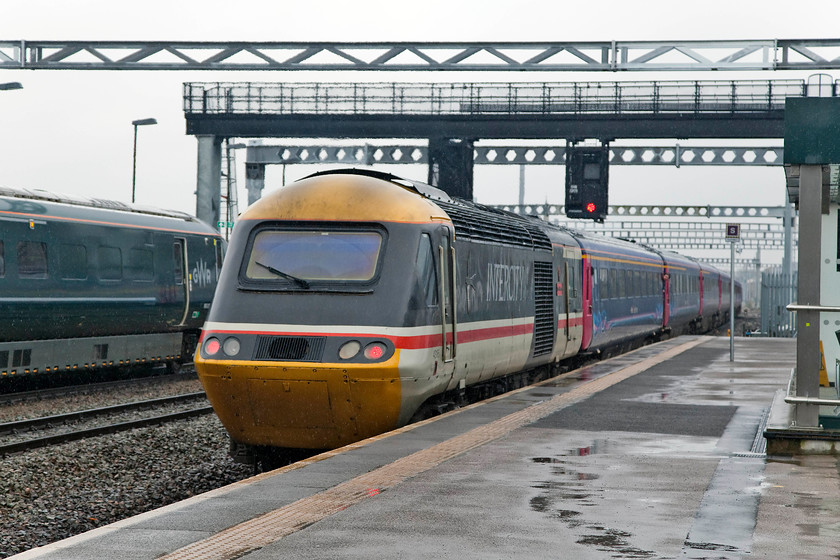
column 491, row 98
column 74, row 435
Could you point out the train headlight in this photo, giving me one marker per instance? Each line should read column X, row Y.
column 374, row 350
column 212, row 346
column 231, row 346
column 349, row 350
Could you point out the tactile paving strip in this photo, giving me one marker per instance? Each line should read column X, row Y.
column 274, row 525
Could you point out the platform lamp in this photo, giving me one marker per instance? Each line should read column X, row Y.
column 139, row 122
column 11, row 85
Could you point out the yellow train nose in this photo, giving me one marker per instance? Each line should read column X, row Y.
column 286, row 405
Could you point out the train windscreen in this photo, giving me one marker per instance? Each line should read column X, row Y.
column 314, row 256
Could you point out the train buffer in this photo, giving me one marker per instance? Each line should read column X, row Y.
column 654, row 454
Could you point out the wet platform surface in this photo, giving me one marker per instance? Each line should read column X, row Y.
column 654, row 454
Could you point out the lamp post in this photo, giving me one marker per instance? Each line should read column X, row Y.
column 11, row 85
column 139, row 122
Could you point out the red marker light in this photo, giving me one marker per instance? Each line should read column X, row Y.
column 374, row 351
column 590, row 207
column 212, row 346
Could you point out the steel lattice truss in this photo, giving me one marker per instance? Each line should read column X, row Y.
column 367, row 154
column 686, row 235
column 633, row 211
column 771, row 54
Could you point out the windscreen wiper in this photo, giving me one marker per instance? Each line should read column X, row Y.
column 299, row 281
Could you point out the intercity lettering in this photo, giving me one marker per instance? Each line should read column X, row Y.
column 506, row 282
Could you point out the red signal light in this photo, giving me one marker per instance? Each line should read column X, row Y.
column 590, row 207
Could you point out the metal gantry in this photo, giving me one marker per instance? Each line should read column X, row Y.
column 371, row 154
column 743, row 55
column 679, row 97
column 685, row 235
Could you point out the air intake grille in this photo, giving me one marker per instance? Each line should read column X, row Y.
column 290, row 348
column 482, row 223
column 543, row 308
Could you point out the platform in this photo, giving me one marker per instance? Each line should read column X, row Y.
column 654, row 454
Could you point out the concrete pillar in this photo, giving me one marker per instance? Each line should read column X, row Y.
column 451, row 166
column 808, row 322
column 254, row 181
column 209, row 179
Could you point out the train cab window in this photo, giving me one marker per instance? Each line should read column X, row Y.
column 298, row 257
column 72, row 262
column 426, row 274
column 109, row 263
column 32, row 259
column 141, row 265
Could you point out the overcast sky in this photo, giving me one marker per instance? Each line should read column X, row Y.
column 70, row 131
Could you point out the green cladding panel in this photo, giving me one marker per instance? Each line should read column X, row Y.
column 812, row 130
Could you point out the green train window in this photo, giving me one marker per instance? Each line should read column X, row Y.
column 109, row 262
column 72, row 261
column 32, row 259
column 141, row 265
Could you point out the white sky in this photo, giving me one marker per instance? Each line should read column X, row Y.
column 70, row 131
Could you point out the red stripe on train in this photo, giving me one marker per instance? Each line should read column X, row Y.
column 416, row 342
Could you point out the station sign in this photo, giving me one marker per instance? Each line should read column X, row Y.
column 733, row 232
column 811, row 130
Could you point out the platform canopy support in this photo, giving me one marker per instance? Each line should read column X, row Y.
column 811, row 145
column 209, row 179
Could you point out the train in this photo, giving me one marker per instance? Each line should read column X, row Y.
column 88, row 284
column 352, row 302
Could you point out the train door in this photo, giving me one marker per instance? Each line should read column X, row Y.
column 588, row 273
column 446, row 259
column 666, row 297
column 564, row 289
column 180, row 277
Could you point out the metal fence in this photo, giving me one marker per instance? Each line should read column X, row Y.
column 730, row 96
column 778, row 290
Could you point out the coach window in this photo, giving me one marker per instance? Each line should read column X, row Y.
column 109, row 261
column 604, row 282
column 178, row 256
column 573, row 286
column 141, row 266
column 72, row 261
column 32, row 259
column 2, row 261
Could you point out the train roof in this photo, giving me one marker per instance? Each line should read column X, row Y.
column 38, row 203
column 471, row 220
column 44, row 195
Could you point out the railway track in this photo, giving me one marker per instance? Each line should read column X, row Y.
column 12, row 429
column 89, row 388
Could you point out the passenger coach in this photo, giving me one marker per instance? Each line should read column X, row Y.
column 87, row 284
